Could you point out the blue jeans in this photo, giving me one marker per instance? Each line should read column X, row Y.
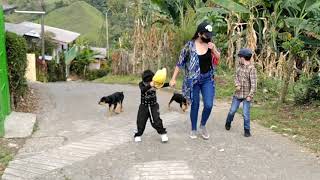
column 246, row 111
column 206, row 86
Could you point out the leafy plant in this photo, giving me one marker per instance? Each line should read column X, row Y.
column 17, row 63
column 82, row 61
column 307, row 90
column 56, row 72
column 95, row 74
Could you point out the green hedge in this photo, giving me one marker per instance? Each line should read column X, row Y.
column 95, row 74
column 56, row 72
column 16, row 47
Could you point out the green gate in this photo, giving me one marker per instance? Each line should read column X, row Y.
column 4, row 86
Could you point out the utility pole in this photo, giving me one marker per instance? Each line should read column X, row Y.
column 42, row 38
column 42, row 13
column 107, row 34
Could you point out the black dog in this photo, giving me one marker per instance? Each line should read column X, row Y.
column 177, row 97
column 113, row 99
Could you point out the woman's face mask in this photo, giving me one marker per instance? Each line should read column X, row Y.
column 206, row 40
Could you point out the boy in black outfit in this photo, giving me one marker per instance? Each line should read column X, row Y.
column 149, row 108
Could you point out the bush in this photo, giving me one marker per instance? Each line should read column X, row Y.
column 16, row 47
column 56, row 72
column 80, row 64
column 42, row 70
column 268, row 88
column 95, row 74
column 79, row 67
column 307, row 90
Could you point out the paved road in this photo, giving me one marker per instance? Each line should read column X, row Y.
column 78, row 139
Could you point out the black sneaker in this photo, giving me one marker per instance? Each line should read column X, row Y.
column 247, row 133
column 228, row 126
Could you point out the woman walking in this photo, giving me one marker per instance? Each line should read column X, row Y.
column 198, row 59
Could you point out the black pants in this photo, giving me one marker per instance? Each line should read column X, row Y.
column 145, row 112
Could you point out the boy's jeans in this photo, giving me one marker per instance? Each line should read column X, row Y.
column 246, row 111
column 206, row 86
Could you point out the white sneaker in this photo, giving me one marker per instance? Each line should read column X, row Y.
column 193, row 134
column 204, row 133
column 164, row 138
column 137, row 139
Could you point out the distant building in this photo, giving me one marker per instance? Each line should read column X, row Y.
column 32, row 32
column 63, row 38
column 100, row 56
column 101, row 53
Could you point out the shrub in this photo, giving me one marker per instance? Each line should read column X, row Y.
column 42, row 71
column 307, row 90
column 95, row 74
column 268, row 88
column 16, row 47
column 56, row 72
column 80, row 64
column 79, row 67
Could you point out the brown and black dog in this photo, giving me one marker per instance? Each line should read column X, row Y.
column 113, row 99
column 177, row 97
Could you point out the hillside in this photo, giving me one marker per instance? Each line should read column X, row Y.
column 28, row 5
column 78, row 17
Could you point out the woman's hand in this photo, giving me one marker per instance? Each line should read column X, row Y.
column 172, row 83
column 214, row 49
column 211, row 45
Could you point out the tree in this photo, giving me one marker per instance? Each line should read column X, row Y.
column 101, row 5
column 299, row 10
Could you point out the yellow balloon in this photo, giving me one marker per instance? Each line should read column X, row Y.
column 159, row 78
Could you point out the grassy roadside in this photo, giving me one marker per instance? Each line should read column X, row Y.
column 5, row 157
column 299, row 123
column 8, row 149
column 133, row 80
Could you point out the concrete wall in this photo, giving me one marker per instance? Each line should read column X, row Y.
column 31, row 68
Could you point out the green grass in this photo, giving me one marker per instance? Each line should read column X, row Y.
column 224, row 82
column 301, row 123
column 224, row 86
column 79, row 17
column 117, row 79
column 134, row 80
column 5, row 158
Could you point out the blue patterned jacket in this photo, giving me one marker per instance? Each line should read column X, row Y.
column 189, row 62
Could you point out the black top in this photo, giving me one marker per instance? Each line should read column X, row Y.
column 205, row 62
column 148, row 94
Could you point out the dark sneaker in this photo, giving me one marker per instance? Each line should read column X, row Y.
column 247, row 133
column 228, row 126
